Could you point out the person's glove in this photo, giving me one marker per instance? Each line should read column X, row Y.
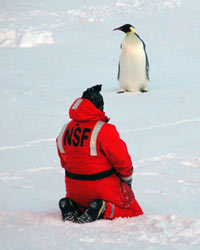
column 127, row 180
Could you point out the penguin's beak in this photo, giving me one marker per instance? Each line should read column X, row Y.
column 119, row 28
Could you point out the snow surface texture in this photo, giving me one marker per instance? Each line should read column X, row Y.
column 51, row 51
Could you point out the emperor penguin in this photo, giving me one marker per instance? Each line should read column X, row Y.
column 133, row 69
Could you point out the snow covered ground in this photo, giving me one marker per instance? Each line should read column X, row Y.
column 51, row 51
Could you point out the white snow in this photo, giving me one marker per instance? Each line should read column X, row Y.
column 51, row 51
column 9, row 39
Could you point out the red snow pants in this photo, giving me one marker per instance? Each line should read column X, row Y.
column 119, row 197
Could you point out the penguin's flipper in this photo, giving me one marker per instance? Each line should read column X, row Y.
column 118, row 74
column 147, row 65
column 146, row 57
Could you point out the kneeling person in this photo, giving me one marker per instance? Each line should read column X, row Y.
column 98, row 167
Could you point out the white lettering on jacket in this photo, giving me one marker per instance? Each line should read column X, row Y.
column 93, row 138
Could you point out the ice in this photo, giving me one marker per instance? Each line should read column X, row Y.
column 51, row 51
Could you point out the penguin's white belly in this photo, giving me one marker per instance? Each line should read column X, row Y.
column 132, row 68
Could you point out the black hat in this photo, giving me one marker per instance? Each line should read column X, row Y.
column 94, row 96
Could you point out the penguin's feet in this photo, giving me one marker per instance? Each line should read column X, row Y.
column 121, row 91
column 144, row 90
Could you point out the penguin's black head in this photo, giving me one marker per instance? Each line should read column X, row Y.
column 126, row 28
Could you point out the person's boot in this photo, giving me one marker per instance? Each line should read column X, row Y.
column 94, row 212
column 69, row 210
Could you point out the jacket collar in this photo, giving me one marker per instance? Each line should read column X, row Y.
column 84, row 110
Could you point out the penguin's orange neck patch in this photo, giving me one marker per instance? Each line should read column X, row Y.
column 132, row 29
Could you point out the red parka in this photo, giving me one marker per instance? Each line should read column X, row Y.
column 95, row 158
